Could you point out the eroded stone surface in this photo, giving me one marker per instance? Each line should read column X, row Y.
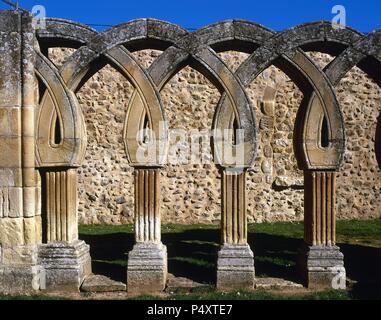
column 147, row 268
column 99, row 283
column 65, row 265
column 322, row 267
column 174, row 282
column 276, row 283
column 235, row 267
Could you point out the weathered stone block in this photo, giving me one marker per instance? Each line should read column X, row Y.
column 30, row 234
column 98, row 283
column 10, row 119
column 147, row 268
column 29, row 205
column 20, row 279
column 235, row 267
column 11, row 203
column 65, row 265
column 19, row 255
column 12, row 231
column 322, row 267
column 10, row 177
column 10, row 156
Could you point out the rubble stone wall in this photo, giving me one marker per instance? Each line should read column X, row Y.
column 191, row 193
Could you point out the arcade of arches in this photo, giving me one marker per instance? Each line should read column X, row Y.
column 43, row 139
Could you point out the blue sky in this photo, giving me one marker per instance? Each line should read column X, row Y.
column 364, row 15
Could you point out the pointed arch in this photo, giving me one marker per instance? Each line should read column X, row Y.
column 59, row 103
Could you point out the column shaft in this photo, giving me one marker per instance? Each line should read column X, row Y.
column 61, row 205
column 320, row 213
column 147, row 205
column 234, row 221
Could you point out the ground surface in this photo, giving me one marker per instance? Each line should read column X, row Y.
column 192, row 253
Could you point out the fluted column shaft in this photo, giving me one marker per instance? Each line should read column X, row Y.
column 320, row 208
column 61, row 205
column 234, row 221
column 147, row 205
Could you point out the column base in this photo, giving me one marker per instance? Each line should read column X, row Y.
column 235, row 267
column 65, row 265
column 147, row 268
column 322, row 267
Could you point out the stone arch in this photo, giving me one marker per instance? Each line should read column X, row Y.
column 199, row 50
column 58, row 106
column 64, row 33
column 365, row 53
column 154, row 32
column 148, row 98
column 281, row 50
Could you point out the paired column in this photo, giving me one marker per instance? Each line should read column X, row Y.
column 321, row 262
column 147, row 262
column 66, row 260
column 235, row 264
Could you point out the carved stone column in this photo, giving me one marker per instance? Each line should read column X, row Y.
column 147, row 262
column 66, row 259
column 235, row 265
column 321, row 262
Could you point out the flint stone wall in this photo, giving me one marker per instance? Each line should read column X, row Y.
column 191, row 193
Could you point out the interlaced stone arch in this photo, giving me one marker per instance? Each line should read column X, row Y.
column 64, row 260
column 58, row 104
column 183, row 48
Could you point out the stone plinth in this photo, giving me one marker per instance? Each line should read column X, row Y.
column 19, row 269
column 147, row 268
column 20, row 279
column 235, row 267
column 65, row 265
column 322, row 267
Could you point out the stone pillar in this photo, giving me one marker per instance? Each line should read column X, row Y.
column 235, row 265
column 66, row 260
column 321, row 262
column 147, row 262
column 61, row 205
column 20, row 221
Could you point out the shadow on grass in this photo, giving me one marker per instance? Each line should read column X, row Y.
column 275, row 256
column 109, row 253
column 363, row 264
column 192, row 254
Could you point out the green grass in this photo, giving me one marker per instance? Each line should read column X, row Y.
column 348, row 231
column 209, row 293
